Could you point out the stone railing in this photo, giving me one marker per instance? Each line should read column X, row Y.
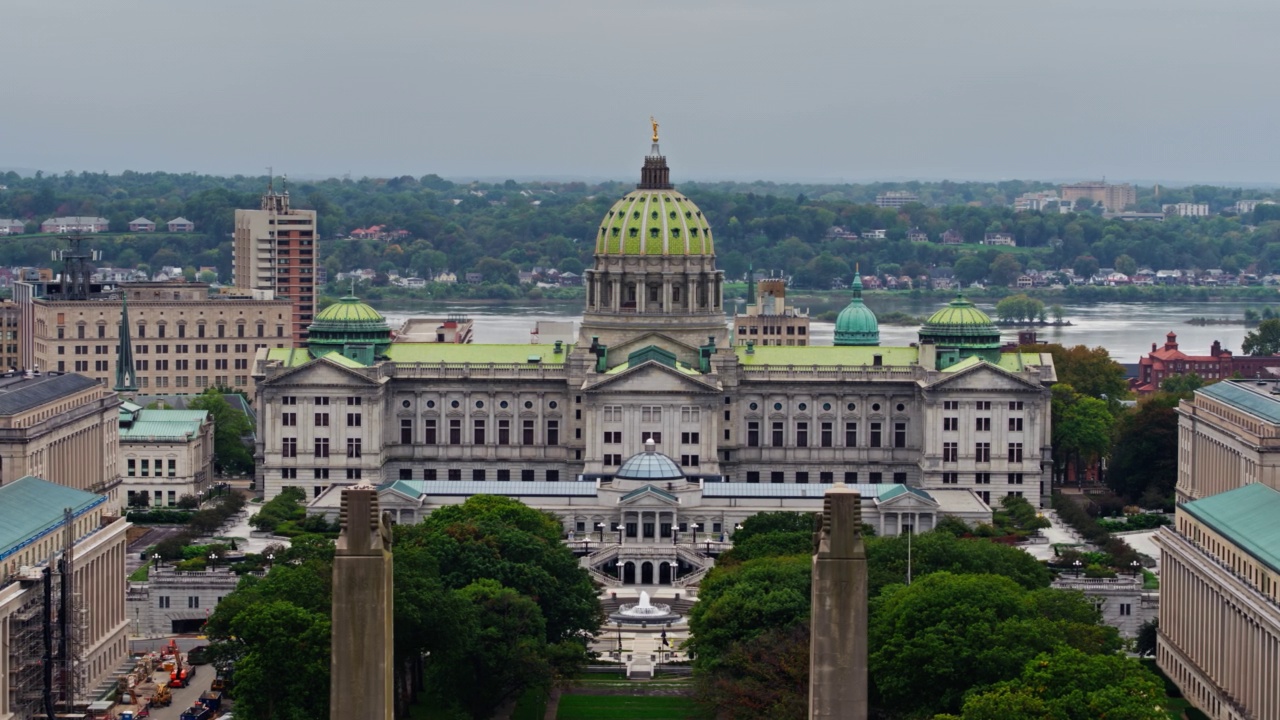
column 480, row 371
column 863, row 373
column 692, row 578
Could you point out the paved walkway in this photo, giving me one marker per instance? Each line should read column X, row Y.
column 1058, row 533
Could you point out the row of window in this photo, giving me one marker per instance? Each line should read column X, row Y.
column 802, row 476
column 981, row 452
column 193, row 602
column 181, row 381
column 481, row 475
column 980, row 404
column 648, row 529
column 220, row 349
column 653, row 413
column 289, row 447
column 137, row 497
column 182, row 331
column 479, row 432
column 318, row 474
column 982, row 424
column 320, row 419
column 133, row 465
column 614, row 437
column 322, row 400
column 826, row 434
column 953, row 478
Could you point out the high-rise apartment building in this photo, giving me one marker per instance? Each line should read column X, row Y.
column 1113, row 198
column 275, row 249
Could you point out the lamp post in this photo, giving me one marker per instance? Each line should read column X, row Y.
column 1135, row 565
column 675, row 570
column 213, row 561
column 271, row 558
column 1077, row 564
column 619, row 624
column 155, row 561
column 619, row 533
column 600, row 529
column 695, row 527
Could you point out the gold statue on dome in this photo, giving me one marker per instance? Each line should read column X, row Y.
column 655, row 128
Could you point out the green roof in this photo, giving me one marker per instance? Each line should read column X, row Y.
column 476, row 354
column 1239, row 396
column 349, row 310
column 289, row 357
column 654, row 222
column 857, row 324
column 961, row 324
column 848, row 356
column 343, row 360
column 649, row 489
column 164, row 425
column 31, row 508
column 1247, row 517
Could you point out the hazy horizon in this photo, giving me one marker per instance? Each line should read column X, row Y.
column 757, row 90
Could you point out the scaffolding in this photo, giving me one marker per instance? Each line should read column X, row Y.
column 45, row 637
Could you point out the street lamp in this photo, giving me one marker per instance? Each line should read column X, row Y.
column 695, row 527
column 1077, row 565
column 675, row 570
column 619, row 623
column 600, row 529
column 213, row 560
column 155, row 560
column 1135, row 565
column 271, row 558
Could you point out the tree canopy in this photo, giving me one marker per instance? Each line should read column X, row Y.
column 230, row 427
column 1264, row 340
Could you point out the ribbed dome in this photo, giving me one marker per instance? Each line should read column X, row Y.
column 654, row 222
column 960, row 324
column 350, row 328
column 857, row 324
column 649, row 465
column 349, row 309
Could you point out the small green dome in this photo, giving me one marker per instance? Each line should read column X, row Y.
column 857, row 324
column 352, row 329
column 654, row 222
column 961, row 324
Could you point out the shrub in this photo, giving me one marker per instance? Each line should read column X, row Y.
column 188, row 502
column 160, row 516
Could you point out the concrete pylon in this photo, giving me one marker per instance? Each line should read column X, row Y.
column 838, row 621
column 360, row 675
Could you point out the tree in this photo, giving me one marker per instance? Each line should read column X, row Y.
column 1089, row 371
column 1081, row 428
column 230, row 426
column 1085, row 266
column 1182, row 385
column 1145, row 643
column 1265, row 340
column 746, row 600
column 1126, row 265
column 1145, row 457
column 1067, row 684
column 1005, row 270
column 950, row 633
column 970, row 269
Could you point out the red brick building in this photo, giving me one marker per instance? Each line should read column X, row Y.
column 1168, row 361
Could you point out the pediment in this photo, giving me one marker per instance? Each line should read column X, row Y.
column 652, row 377
column 907, row 501
column 985, row 377
column 649, row 496
column 684, row 352
column 322, row 372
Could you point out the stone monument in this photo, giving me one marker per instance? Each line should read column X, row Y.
column 838, row 623
column 360, row 676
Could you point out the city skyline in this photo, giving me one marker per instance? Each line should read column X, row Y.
column 744, row 91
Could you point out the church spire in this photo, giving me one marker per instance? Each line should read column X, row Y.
column 857, row 281
column 751, row 284
column 126, row 378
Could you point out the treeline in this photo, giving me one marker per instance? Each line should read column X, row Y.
column 505, row 227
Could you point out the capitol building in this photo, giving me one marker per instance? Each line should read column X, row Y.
column 656, row 432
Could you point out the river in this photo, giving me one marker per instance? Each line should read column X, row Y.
column 1125, row 329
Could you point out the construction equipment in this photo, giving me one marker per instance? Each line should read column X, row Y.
column 211, row 699
column 181, row 675
column 196, row 712
column 162, row 698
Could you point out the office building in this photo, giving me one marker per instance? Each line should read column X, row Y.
column 769, row 318
column 1113, row 198
column 276, row 249
column 165, row 454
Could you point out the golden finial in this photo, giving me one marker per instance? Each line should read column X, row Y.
column 655, row 128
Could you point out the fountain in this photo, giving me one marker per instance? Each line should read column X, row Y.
column 644, row 612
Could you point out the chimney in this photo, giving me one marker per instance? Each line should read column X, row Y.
column 751, row 347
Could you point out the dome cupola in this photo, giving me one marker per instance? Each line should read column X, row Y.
column 857, row 324
column 964, row 329
column 352, row 329
column 649, row 465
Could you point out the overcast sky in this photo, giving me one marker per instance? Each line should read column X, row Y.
column 810, row 90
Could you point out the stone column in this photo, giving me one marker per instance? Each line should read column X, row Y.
column 362, row 637
column 838, row 626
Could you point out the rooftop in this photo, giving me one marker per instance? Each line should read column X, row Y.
column 850, row 355
column 477, row 354
column 1247, row 517
column 1250, row 396
column 20, row 393
column 418, row 488
column 879, row 491
column 163, row 425
column 31, row 508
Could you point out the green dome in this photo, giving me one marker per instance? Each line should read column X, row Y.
column 960, row 324
column 857, row 324
column 352, row 329
column 654, row 222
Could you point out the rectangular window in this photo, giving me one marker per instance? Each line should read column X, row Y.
column 900, row 478
column 172, row 468
column 477, row 432
column 689, row 460
column 289, row 419
column 876, row 478
column 553, row 432
column 406, row 431
column 353, row 400
column 900, row 435
column 455, row 432
column 651, row 413
column 526, row 433
column 689, row 414
column 406, row 473
column 526, row 476
column 1015, row 478
column 320, row 400
column 986, row 496
column 777, row 476
column 612, row 437
column 504, row 432
column 134, row 470
column 826, row 478
column 982, row 478
column 353, row 420
column 1015, row 404
column 982, row 424
column 802, row 434
column 690, row 438
column 950, row 424
column 504, row 475
column 322, row 419
column 802, row 477
column 553, row 476
column 1015, row 424
column 753, row 434
column 950, row 404
column 354, row 473
column 779, row 435
column 825, row 438
column 753, row 476
column 645, row 437
column 429, row 474
column 164, row 602
column 429, row 432
column 320, row 474
column 193, row 602
column 851, row 477
column 1015, row 452
column 322, row 447
column 477, row 475
column 1126, row 609
column 289, row 447
column 612, row 459
column 851, row 434
column 353, row 447
column 950, row 478
column 613, row 413
column 875, row 434
column 982, row 452
column 984, row 404
column 950, row 452
column 455, row 474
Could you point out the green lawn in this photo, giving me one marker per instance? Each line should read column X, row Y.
column 627, row 707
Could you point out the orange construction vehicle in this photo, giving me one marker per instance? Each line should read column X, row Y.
column 181, row 675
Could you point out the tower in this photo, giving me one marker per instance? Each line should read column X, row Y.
column 838, row 622
column 126, row 379
column 654, row 267
column 276, row 248
column 360, row 677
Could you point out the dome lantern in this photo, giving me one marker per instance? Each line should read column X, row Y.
column 857, row 323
